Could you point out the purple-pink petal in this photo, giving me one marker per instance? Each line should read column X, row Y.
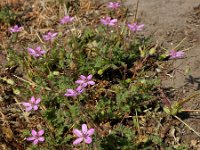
column 180, row 54
column 80, row 89
column 30, row 138
column 113, row 21
column 32, row 99
column 41, row 139
column 104, row 22
column 41, row 132
column 91, row 82
column 34, row 133
column 38, row 101
column 68, row 95
column 140, row 27
column 84, row 85
column 31, row 51
column 54, row 34
column 79, row 81
column 71, row 91
column 35, row 107
column 26, row 104
column 28, row 108
column 90, row 132
column 77, row 132
column 88, row 140
column 89, row 77
column 35, row 141
column 38, row 48
column 82, row 77
column 77, row 141
column 84, row 128
column 174, row 54
column 71, row 95
column 42, row 52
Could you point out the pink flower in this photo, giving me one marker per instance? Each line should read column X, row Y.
column 66, row 19
column 33, row 104
column 49, row 36
column 174, row 54
column 37, row 52
column 16, row 28
column 36, row 136
column 83, row 135
column 85, row 81
column 108, row 21
column 114, row 5
column 135, row 27
column 74, row 93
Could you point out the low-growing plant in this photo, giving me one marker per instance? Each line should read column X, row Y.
column 94, row 77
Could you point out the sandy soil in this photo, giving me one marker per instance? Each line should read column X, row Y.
column 169, row 22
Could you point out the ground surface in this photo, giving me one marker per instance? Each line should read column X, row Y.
column 169, row 22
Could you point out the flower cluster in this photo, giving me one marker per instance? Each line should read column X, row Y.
column 74, row 93
column 83, row 135
column 15, row 29
column 135, row 27
column 49, row 36
column 108, row 21
column 83, row 82
column 37, row 52
column 176, row 54
column 114, row 5
column 66, row 19
column 36, row 136
column 32, row 104
column 112, row 22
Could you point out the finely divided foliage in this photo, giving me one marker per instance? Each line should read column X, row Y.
column 102, row 68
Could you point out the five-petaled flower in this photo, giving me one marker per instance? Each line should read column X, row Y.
column 135, row 27
column 33, row 104
column 36, row 136
column 66, row 19
column 74, row 93
column 85, row 81
column 84, row 135
column 114, row 5
column 37, row 52
column 49, row 36
column 108, row 21
column 16, row 28
column 176, row 54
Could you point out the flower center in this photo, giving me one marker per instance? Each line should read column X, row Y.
column 85, row 135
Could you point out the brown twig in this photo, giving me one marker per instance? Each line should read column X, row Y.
column 136, row 11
